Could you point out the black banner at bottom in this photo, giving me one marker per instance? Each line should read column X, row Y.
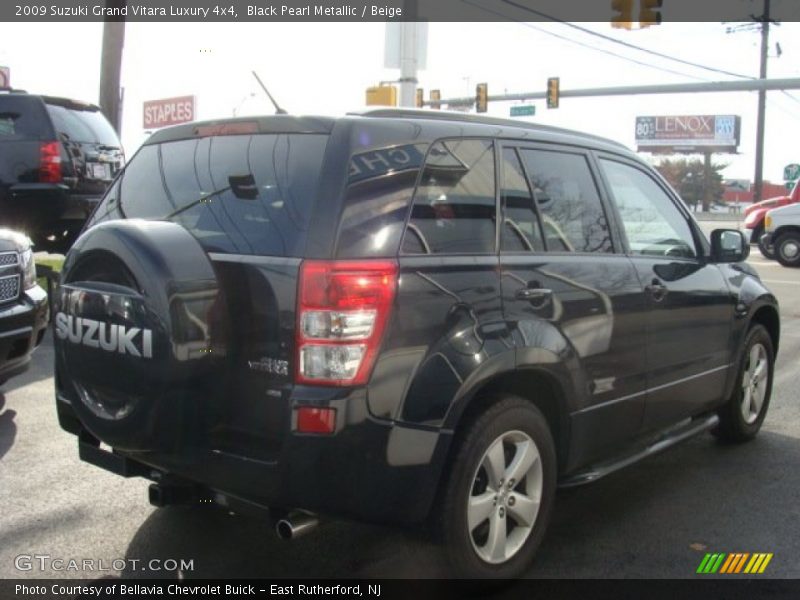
column 395, row 589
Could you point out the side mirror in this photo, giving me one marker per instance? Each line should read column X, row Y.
column 729, row 245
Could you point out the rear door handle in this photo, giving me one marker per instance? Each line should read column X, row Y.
column 534, row 294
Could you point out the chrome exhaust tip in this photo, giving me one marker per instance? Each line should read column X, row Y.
column 295, row 524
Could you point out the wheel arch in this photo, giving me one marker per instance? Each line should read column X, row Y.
column 767, row 315
column 543, row 388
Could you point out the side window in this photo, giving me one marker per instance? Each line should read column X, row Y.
column 454, row 206
column 653, row 224
column 380, row 185
column 569, row 204
column 521, row 231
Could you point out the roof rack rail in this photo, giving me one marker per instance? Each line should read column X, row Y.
column 439, row 115
column 10, row 90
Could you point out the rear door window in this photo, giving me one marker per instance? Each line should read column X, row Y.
column 521, row 230
column 454, row 207
column 243, row 194
column 573, row 219
column 23, row 117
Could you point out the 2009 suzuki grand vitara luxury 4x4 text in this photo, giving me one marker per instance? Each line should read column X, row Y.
column 401, row 317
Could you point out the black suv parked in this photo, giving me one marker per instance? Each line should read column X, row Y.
column 401, row 315
column 57, row 157
column 23, row 305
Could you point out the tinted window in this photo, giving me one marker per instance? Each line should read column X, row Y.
column 380, row 185
column 521, row 230
column 249, row 194
column 83, row 125
column 652, row 223
column 572, row 215
column 23, row 117
column 454, row 205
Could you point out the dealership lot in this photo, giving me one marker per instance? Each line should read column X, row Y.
column 655, row 519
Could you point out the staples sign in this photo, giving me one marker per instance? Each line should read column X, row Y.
column 169, row 111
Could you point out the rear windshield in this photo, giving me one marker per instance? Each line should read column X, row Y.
column 23, row 117
column 242, row 194
column 83, row 125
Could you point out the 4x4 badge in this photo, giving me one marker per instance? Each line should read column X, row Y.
column 104, row 336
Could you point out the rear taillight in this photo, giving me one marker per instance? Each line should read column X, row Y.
column 50, row 162
column 343, row 308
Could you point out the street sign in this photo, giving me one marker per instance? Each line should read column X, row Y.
column 523, row 110
column 168, row 111
column 791, row 172
column 688, row 133
column 5, row 77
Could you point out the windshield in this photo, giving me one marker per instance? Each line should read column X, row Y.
column 83, row 125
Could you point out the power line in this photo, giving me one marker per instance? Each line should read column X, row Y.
column 589, row 46
column 626, row 44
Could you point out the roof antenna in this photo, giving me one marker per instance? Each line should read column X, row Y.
column 278, row 109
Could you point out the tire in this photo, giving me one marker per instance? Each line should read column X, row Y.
column 767, row 252
column 518, row 428
column 758, row 231
column 787, row 249
column 741, row 417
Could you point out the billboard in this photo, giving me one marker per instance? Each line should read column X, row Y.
column 688, row 133
column 168, row 111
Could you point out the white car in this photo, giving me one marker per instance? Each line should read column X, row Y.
column 782, row 233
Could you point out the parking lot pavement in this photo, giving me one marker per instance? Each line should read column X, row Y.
column 654, row 519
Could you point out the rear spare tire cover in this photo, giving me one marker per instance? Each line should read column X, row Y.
column 139, row 330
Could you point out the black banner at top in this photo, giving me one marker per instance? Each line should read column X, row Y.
column 392, row 10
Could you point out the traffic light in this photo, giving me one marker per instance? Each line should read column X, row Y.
column 382, row 95
column 553, row 91
column 481, row 97
column 420, row 97
column 436, row 95
column 650, row 12
column 623, row 14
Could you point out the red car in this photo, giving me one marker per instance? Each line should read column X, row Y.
column 755, row 213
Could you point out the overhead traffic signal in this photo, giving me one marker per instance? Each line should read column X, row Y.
column 481, row 97
column 623, row 14
column 553, row 92
column 420, row 97
column 650, row 12
column 436, row 95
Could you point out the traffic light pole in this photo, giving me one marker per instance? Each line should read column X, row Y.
column 408, row 57
column 748, row 85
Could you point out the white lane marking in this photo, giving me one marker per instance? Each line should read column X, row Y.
column 763, row 264
column 782, row 281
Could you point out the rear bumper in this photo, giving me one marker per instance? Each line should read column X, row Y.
column 369, row 470
column 39, row 208
column 22, row 327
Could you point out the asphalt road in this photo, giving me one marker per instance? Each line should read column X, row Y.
column 655, row 519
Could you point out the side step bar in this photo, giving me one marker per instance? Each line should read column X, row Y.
column 666, row 439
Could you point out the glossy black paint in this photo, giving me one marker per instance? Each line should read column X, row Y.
column 614, row 357
column 22, row 321
column 39, row 209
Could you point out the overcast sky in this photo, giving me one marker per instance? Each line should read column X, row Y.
column 325, row 68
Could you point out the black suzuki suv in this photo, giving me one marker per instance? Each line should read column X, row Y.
column 399, row 316
column 57, row 157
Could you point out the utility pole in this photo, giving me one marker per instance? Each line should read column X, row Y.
column 758, row 183
column 110, row 67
